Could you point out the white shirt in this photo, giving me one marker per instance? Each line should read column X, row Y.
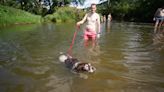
column 162, row 13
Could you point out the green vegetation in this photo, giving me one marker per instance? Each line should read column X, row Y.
column 54, row 11
column 39, row 7
column 131, row 10
column 10, row 15
column 65, row 14
column 58, row 10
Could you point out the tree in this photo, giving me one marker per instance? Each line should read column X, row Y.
column 131, row 10
column 41, row 7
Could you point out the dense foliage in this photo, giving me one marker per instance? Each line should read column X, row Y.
column 40, row 7
column 131, row 10
column 128, row 10
column 65, row 14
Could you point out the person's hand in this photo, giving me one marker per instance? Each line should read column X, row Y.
column 98, row 35
column 154, row 19
column 78, row 25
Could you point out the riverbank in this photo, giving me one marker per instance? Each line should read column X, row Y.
column 65, row 14
column 10, row 15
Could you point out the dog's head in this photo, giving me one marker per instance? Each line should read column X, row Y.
column 88, row 67
column 85, row 67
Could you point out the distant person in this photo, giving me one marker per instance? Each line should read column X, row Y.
column 92, row 28
column 159, row 18
column 101, row 19
column 109, row 17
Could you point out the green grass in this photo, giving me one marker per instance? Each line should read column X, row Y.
column 65, row 14
column 10, row 15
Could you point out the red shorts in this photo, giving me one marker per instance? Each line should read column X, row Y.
column 89, row 33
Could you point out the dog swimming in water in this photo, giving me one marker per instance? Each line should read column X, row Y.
column 75, row 65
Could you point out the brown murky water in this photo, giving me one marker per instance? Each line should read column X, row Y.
column 127, row 59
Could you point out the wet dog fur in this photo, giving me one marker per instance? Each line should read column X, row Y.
column 75, row 65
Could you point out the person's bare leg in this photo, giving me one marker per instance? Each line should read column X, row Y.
column 93, row 43
column 94, row 40
column 85, row 43
column 159, row 26
column 156, row 26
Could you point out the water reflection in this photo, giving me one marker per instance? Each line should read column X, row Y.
column 158, row 40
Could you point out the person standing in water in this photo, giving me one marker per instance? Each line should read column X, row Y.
column 108, row 25
column 109, row 17
column 92, row 28
column 159, row 18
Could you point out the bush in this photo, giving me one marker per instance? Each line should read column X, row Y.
column 65, row 14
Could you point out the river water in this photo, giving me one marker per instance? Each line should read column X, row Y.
column 126, row 57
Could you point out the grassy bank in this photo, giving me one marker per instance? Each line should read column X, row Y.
column 65, row 14
column 15, row 16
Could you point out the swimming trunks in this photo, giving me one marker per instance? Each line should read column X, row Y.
column 89, row 33
column 160, row 18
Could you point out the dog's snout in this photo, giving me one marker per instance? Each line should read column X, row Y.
column 92, row 69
